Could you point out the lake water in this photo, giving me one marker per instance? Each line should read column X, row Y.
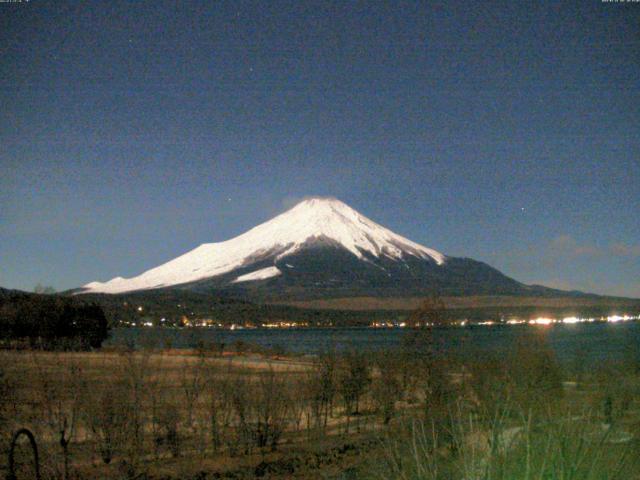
column 596, row 341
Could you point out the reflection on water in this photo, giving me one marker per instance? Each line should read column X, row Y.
column 598, row 342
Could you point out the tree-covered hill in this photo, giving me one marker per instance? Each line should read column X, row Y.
column 50, row 321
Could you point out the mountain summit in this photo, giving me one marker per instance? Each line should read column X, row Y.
column 313, row 221
column 319, row 247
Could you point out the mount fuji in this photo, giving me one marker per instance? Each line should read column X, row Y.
column 319, row 248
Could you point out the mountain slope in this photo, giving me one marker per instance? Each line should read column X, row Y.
column 318, row 249
column 311, row 222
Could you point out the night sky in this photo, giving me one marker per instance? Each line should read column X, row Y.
column 508, row 132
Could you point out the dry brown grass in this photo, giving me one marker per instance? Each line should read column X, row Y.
column 172, row 414
column 477, row 301
column 127, row 413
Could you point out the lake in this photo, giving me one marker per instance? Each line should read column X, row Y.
column 596, row 341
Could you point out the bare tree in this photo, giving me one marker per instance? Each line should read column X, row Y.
column 297, row 402
column 386, row 388
column 106, row 414
column 220, row 409
column 8, row 402
column 192, row 381
column 271, row 406
column 321, row 389
column 136, row 367
column 353, row 378
column 418, row 348
column 60, row 397
column 169, row 423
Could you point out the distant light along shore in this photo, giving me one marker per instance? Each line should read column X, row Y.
column 543, row 321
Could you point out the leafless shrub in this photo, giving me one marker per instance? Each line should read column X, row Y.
column 106, row 414
column 298, row 402
column 615, row 390
column 169, row 432
column 535, row 376
column 259, row 406
column 135, row 370
column 528, row 381
column 240, row 397
column 386, row 385
column 321, row 389
column 60, row 399
column 6, row 394
column 219, row 404
column 271, row 409
column 192, row 382
column 488, row 382
column 418, row 352
column 7, row 399
column 353, row 378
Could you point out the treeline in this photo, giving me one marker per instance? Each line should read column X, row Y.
column 50, row 321
column 173, row 305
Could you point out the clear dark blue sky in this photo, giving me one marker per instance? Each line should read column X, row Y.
column 509, row 132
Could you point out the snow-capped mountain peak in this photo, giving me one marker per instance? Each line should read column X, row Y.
column 314, row 219
column 335, row 220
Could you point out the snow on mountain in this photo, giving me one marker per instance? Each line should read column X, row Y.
column 261, row 274
column 310, row 220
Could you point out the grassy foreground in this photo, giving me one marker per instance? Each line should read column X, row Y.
column 412, row 413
